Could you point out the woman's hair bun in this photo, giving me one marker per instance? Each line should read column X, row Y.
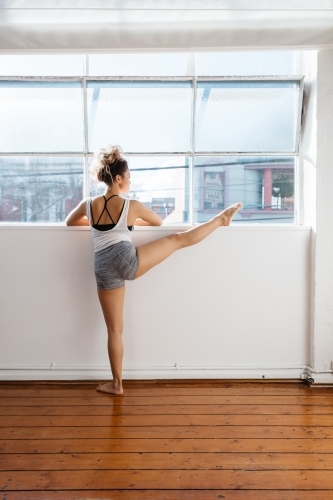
column 107, row 163
column 112, row 154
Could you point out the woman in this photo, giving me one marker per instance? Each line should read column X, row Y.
column 111, row 218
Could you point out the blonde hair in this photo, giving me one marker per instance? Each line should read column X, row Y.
column 107, row 163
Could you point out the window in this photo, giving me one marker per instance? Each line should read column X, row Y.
column 143, row 116
column 197, row 138
column 39, row 188
column 265, row 185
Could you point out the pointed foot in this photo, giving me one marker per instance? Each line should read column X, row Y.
column 229, row 213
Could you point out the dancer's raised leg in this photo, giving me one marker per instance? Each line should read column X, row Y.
column 112, row 302
column 155, row 252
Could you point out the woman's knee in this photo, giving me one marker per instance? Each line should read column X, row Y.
column 178, row 240
column 116, row 331
column 183, row 239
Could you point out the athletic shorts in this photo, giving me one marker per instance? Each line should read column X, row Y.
column 115, row 264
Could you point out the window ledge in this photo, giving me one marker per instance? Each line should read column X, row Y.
column 234, row 227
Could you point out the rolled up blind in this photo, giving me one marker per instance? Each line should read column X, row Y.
column 40, row 26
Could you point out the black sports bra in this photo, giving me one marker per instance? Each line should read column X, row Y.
column 107, row 227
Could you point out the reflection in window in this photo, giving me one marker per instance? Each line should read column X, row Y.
column 140, row 116
column 264, row 185
column 41, row 117
column 246, row 116
column 39, row 189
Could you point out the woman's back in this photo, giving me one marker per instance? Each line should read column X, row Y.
column 108, row 223
column 114, row 208
column 107, row 209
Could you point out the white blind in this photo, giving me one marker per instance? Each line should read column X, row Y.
column 39, row 26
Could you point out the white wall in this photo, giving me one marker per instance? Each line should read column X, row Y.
column 308, row 168
column 236, row 305
column 322, row 345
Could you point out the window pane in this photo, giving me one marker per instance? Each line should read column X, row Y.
column 246, row 116
column 41, row 117
column 161, row 183
column 269, row 63
column 140, row 116
column 39, row 189
column 42, row 65
column 264, row 185
column 138, row 64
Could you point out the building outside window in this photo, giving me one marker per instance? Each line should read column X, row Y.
column 213, row 190
column 200, row 132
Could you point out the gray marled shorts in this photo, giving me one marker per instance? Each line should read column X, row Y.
column 115, row 264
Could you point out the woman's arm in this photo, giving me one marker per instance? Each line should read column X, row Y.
column 141, row 222
column 77, row 217
column 144, row 216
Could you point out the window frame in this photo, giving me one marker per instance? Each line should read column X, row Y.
column 86, row 154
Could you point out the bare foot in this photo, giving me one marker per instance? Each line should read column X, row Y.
column 110, row 388
column 229, row 212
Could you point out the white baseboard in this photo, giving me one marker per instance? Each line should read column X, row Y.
column 166, row 372
column 321, row 378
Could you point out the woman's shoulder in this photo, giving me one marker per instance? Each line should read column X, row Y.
column 99, row 196
column 88, row 200
column 135, row 203
column 96, row 200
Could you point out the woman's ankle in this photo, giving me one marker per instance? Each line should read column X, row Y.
column 117, row 384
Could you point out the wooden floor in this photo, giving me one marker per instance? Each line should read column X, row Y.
column 166, row 440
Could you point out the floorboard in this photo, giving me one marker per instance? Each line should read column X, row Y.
column 168, row 432
column 117, row 410
column 170, row 479
column 166, row 461
column 166, row 420
column 188, row 445
column 154, row 400
column 170, row 495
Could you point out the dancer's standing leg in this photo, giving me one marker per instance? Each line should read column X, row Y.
column 112, row 303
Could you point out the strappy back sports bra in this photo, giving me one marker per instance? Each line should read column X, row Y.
column 106, row 227
column 105, row 235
